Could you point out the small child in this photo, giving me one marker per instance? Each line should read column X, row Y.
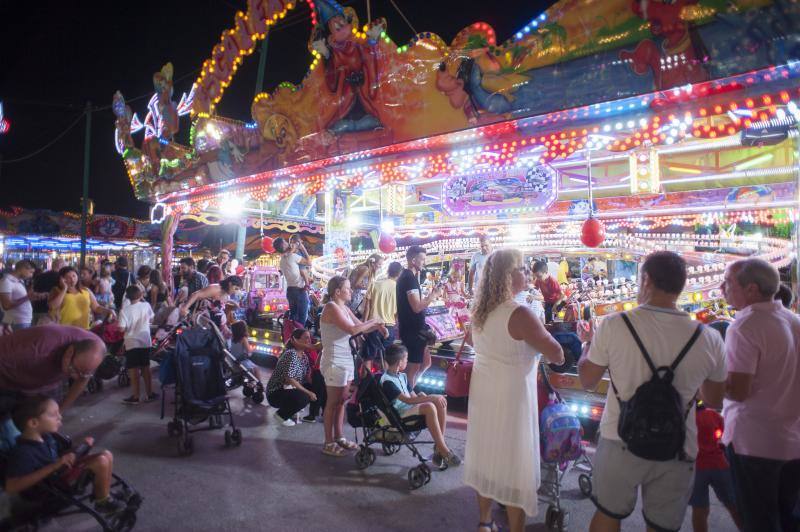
column 408, row 404
column 241, row 348
column 37, row 456
column 711, row 470
column 135, row 320
column 301, row 250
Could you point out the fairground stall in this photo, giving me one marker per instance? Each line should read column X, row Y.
column 599, row 130
column 42, row 235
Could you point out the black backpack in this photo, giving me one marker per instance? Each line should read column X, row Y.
column 652, row 423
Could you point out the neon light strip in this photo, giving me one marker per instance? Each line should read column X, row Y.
column 727, row 142
column 684, row 169
column 754, row 161
column 758, row 172
column 601, row 214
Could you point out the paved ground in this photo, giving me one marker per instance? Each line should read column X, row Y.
column 279, row 480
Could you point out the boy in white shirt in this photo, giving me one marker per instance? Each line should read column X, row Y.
column 135, row 320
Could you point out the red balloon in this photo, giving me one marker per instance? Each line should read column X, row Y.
column 387, row 243
column 593, row 233
column 266, row 245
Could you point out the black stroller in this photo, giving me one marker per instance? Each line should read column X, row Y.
column 381, row 423
column 58, row 498
column 200, row 392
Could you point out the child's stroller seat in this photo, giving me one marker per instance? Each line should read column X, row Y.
column 381, row 423
column 56, row 499
column 200, row 391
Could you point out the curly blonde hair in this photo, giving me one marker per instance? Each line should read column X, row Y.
column 495, row 284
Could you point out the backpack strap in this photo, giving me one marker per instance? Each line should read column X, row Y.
column 687, row 347
column 638, row 340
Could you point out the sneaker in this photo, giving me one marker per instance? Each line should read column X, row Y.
column 443, row 462
column 109, row 506
column 285, row 422
column 452, row 459
column 151, row 397
column 131, row 400
column 309, row 419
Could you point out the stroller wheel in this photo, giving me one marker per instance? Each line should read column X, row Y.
column 556, row 519
column 174, row 428
column 247, row 391
column 258, row 398
column 365, row 457
column 585, row 484
column 236, row 436
column 125, row 521
column 425, row 471
column 94, row 385
column 416, row 477
column 185, row 445
column 123, row 380
column 390, row 448
column 228, row 438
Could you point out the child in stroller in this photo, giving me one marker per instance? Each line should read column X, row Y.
column 409, row 404
column 381, row 423
column 43, row 469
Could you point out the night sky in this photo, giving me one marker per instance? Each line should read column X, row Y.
column 56, row 56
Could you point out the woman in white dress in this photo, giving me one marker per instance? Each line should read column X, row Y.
column 502, row 452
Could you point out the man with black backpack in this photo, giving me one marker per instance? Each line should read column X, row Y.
column 658, row 359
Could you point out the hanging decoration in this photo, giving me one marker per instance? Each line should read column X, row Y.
column 266, row 244
column 593, row 232
column 387, row 243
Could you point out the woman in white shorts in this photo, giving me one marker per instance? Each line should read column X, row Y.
column 337, row 325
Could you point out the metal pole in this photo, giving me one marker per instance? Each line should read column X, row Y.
column 241, row 234
column 262, row 64
column 85, row 201
column 589, row 177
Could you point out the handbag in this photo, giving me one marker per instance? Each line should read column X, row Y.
column 459, row 373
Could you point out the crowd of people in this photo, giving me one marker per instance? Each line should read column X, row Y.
column 750, row 455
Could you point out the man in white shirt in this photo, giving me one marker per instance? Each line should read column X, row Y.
column 295, row 283
column 477, row 261
column 15, row 298
column 664, row 331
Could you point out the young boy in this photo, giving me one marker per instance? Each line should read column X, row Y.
column 711, row 470
column 432, row 407
column 135, row 320
column 36, row 456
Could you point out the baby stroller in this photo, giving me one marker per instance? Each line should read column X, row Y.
column 200, row 393
column 561, row 451
column 113, row 364
column 235, row 373
column 381, row 423
column 59, row 498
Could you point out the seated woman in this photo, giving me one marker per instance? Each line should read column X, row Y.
column 241, row 348
column 408, row 404
column 72, row 303
column 285, row 390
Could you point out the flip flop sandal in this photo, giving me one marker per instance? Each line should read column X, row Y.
column 491, row 525
column 332, row 449
column 344, row 444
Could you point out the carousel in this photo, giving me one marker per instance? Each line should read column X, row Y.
column 597, row 133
